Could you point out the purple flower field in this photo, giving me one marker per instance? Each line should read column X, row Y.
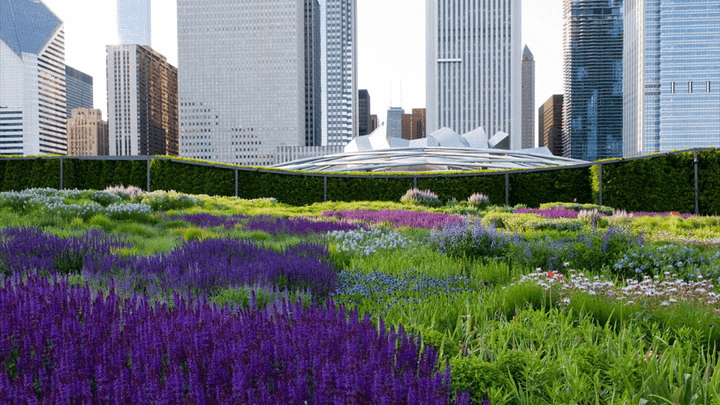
column 67, row 344
column 398, row 218
column 266, row 223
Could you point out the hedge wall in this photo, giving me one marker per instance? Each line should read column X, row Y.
column 658, row 183
column 98, row 174
column 192, row 179
column 709, row 182
column 535, row 188
column 19, row 174
column 661, row 184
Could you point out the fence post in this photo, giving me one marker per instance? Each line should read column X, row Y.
column 236, row 182
column 325, row 188
column 697, row 188
column 414, row 181
column 507, row 188
column 600, row 181
column 148, row 174
column 61, row 174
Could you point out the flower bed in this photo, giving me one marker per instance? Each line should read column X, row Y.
column 397, row 218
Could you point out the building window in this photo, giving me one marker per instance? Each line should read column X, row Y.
column 689, row 87
column 707, row 86
column 672, row 87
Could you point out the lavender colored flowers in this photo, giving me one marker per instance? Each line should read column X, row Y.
column 267, row 223
column 398, row 218
column 64, row 344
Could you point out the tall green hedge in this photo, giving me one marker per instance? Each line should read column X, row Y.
column 463, row 187
column 98, row 174
column 659, row 184
column 709, row 182
column 535, row 188
column 368, row 188
column 192, row 179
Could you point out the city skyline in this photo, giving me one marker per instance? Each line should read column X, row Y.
column 391, row 56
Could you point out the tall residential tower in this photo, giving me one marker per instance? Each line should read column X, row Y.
column 473, row 66
column 593, row 98
column 32, row 79
column 671, row 76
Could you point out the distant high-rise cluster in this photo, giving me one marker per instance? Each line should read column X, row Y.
column 32, row 79
column 133, row 18
column 473, row 66
column 593, row 99
column 671, row 76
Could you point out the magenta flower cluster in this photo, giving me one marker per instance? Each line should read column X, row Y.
column 67, row 344
column 397, row 218
column 267, row 223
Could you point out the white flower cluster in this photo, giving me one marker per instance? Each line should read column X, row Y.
column 367, row 242
column 126, row 193
column 85, row 210
column 170, row 200
column 127, row 210
column 669, row 291
column 29, row 199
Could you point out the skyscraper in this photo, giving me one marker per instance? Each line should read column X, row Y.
column 473, row 66
column 550, row 122
column 340, row 72
column 671, row 76
column 133, row 17
column 363, row 112
column 32, row 79
column 87, row 133
column 528, row 99
column 142, row 102
column 246, row 86
column 394, row 122
column 593, row 64
column 79, row 90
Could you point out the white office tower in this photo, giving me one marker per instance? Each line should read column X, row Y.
column 671, row 76
column 243, row 78
column 340, row 106
column 32, row 79
column 474, row 58
column 133, row 18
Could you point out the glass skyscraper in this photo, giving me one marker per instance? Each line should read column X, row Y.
column 672, row 75
column 133, row 17
column 593, row 64
column 79, row 88
column 474, row 66
column 32, row 79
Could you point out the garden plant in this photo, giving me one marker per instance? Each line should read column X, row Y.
column 123, row 296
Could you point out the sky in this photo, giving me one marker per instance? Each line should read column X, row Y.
column 391, row 45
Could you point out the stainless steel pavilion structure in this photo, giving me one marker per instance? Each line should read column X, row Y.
column 442, row 150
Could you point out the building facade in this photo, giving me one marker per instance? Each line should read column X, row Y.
column 528, row 99
column 79, row 90
column 142, row 89
column 671, row 76
column 550, row 124
column 394, row 122
column 413, row 125
column 474, row 66
column 363, row 112
column 373, row 123
column 260, row 91
column 32, row 80
column 87, row 133
column 593, row 70
column 133, row 19
column 340, row 93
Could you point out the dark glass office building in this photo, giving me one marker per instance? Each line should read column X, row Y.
column 79, row 90
column 364, row 113
column 550, row 118
column 593, row 64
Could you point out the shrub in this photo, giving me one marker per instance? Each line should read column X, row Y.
column 476, row 376
column 170, row 200
column 425, row 198
column 479, row 201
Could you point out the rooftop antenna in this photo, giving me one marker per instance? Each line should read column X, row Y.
column 401, row 89
column 391, row 89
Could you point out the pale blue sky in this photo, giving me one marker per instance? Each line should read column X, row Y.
column 391, row 45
